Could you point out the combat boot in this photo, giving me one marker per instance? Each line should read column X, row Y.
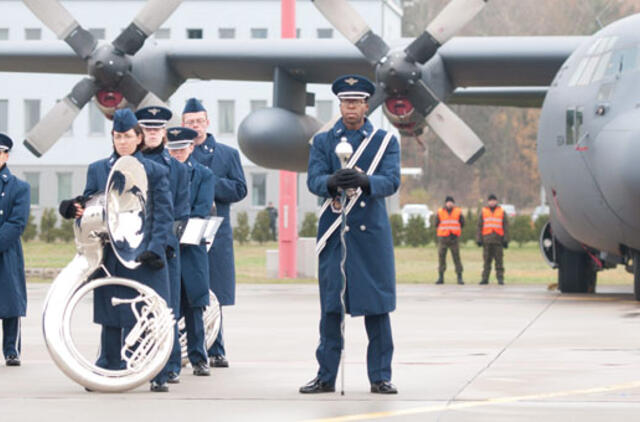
column 484, row 282
column 440, row 279
column 500, row 281
column 460, row 279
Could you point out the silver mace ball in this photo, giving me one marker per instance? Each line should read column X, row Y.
column 344, row 151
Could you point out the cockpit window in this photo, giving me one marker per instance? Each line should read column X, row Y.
column 602, row 61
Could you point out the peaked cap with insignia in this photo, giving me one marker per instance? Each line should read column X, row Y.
column 180, row 137
column 353, row 86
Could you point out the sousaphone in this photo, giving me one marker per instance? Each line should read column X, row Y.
column 117, row 218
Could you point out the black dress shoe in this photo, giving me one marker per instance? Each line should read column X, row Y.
column 219, row 361
column 13, row 360
column 88, row 390
column 174, row 378
column 316, row 386
column 201, row 369
column 383, row 387
column 159, row 388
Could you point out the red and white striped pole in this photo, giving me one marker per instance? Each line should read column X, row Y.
column 288, row 207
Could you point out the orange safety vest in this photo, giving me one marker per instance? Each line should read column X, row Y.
column 449, row 223
column 492, row 221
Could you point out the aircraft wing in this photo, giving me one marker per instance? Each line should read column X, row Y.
column 508, row 71
column 40, row 57
column 510, row 66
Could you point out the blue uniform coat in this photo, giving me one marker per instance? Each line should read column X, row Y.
column 370, row 264
column 160, row 218
column 14, row 214
column 179, row 188
column 194, row 260
column 230, row 187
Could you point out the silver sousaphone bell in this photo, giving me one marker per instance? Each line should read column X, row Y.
column 118, row 217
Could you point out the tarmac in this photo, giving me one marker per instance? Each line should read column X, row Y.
column 462, row 353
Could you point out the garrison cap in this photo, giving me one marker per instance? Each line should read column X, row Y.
column 353, row 86
column 124, row 120
column 180, row 137
column 492, row 196
column 5, row 143
column 193, row 105
column 153, row 116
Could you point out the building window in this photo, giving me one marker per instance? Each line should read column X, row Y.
column 325, row 32
column 258, row 104
column 324, row 110
column 259, row 32
column 194, row 33
column 226, row 116
column 64, row 186
column 259, row 189
column 96, row 120
column 31, row 114
column 163, row 34
column 4, row 34
column 226, row 33
column 4, row 116
column 98, row 33
column 31, row 34
column 33, row 179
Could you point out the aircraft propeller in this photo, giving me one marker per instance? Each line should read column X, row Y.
column 109, row 65
column 399, row 75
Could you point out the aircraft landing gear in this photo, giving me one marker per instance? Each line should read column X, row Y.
column 576, row 271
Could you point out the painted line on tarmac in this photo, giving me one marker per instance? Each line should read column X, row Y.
column 471, row 404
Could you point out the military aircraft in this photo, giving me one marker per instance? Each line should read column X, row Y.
column 585, row 86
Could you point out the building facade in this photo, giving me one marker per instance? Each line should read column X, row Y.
column 61, row 173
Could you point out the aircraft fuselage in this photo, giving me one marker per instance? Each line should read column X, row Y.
column 589, row 143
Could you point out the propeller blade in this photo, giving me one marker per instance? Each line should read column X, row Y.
column 449, row 21
column 132, row 89
column 455, row 133
column 350, row 24
column 141, row 97
column 59, row 20
column 147, row 21
column 376, row 99
column 57, row 121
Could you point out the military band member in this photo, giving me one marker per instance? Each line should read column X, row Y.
column 14, row 213
column 230, row 187
column 493, row 236
column 194, row 261
column 153, row 121
column 449, row 223
column 370, row 271
column 117, row 321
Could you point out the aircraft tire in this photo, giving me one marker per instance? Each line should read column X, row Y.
column 636, row 275
column 576, row 271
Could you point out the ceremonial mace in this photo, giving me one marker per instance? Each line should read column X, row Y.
column 344, row 150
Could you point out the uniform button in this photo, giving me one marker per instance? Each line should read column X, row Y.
column 345, row 229
column 1, row 212
column 363, row 227
column 362, row 204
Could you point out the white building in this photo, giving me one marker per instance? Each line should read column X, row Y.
column 60, row 174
